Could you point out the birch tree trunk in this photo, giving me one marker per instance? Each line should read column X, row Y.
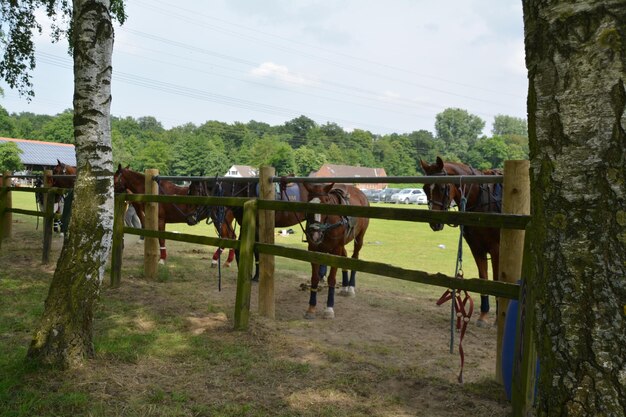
column 64, row 335
column 576, row 60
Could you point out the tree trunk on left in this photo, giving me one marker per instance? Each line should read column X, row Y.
column 64, row 336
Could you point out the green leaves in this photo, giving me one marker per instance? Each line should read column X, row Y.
column 10, row 157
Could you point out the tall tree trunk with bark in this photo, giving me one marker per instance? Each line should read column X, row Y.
column 576, row 59
column 64, row 336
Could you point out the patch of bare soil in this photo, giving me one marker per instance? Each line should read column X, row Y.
column 385, row 354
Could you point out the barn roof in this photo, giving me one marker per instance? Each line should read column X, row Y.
column 44, row 154
column 348, row 171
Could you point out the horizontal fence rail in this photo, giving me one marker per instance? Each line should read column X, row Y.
column 424, row 179
column 495, row 220
column 495, row 288
column 184, row 237
column 186, row 199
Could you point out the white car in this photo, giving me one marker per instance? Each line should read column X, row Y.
column 403, row 197
column 418, row 196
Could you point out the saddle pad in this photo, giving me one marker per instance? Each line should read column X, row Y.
column 292, row 191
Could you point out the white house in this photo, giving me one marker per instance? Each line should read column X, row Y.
column 242, row 171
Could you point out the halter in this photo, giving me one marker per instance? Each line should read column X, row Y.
column 323, row 228
column 445, row 204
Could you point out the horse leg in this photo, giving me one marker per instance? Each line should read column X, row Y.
column 329, row 312
column 481, row 262
column 345, row 281
column 162, row 243
column 231, row 256
column 255, row 278
column 495, row 269
column 358, row 244
column 216, row 257
column 315, row 279
column 227, row 230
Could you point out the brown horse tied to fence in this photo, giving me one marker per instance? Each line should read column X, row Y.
column 62, row 182
column 225, row 188
column 126, row 179
column 329, row 233
column 482, row 241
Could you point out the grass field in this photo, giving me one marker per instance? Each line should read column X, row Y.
column 406, row 244
column 167, row 348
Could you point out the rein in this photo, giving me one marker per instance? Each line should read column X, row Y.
column 162, row 192
column 462, row 305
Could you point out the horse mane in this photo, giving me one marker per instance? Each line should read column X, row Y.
column 473, row 171
column 176, row 189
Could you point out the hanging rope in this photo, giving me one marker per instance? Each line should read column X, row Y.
column 462, row 305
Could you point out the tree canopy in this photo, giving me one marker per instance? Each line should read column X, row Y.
column 10, row 157
column 299, row 145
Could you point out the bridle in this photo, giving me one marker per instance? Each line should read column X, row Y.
column 213, row 214
column 446, row 200
column 323, row 227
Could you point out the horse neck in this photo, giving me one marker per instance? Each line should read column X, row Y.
column 135, row 181
column 167, row 187
column 471, row 190
column 304, row 193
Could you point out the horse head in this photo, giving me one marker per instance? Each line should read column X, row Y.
column 317, row 224
column 120, row 181
column 440, row 196
column 63, row 169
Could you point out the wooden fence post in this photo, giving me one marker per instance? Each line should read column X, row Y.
column 6, row 217
column 151, row 213
column 266, row 235
column 118, row 240
column 515, row 200
column 48, row 217
column 246, row 262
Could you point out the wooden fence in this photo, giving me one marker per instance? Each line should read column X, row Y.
column 515, row 189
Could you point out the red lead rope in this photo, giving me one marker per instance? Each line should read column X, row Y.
column 464, row 307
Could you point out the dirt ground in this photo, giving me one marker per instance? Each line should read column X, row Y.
column 385, row 354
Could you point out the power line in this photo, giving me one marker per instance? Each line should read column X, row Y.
column 203, row 23
column 200, row 94
column 256, row 64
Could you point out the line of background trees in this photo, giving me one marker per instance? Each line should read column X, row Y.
column 299, row 145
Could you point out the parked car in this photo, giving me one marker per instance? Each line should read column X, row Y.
column 373, row 196
column 385, row 195
column 418, row 196
column 402, row 196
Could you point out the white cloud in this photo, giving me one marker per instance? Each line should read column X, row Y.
column 280, row 73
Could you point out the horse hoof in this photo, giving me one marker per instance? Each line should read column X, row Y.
column 483, row 324
column 329, row 313
column 344, row 292
column 351, row 292
column 161, row 261
column 226, row 265
column 309, row 316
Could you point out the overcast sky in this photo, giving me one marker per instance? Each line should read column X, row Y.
column 384, row 66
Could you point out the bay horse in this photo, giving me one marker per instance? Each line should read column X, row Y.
column 224, row 228
column 226, row 188
column 482, row 241
column 125, row 180
column 329, row 233
column 63, row 202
